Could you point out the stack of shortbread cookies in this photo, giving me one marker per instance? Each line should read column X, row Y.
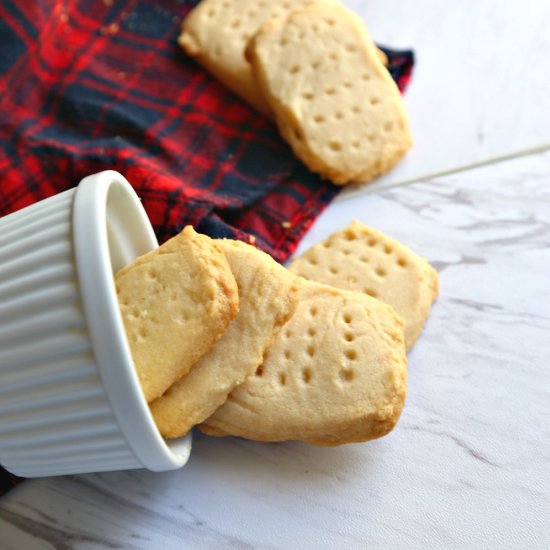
column 313, row 68
column 225, row 338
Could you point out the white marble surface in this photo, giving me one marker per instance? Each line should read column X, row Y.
column 468, row 465
column 480, row 87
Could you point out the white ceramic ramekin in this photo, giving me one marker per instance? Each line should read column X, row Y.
column 70, row 400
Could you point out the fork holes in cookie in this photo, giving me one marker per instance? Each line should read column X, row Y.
column 371, row 241
column 310, row 350
column 236, row 23
column 330, row 90
column 308, row 95
column 388, row 127
column 319, row 118
column 333, row 269
column 306, row 375
column 349, row 337
column 374, row 101
column 335, row 145
column 351, row 48
column 338, row 115
column 181, row 318
column 351, row 354
column 356, row 109
column 388, row 249
column 346, row 375
column 402, row 262
column 372, row 293
column 295, row 69
column 282, row 378
column 311, row 332
column 313, row 311
column 259, row 371
column 287, row 354
column 355, row 144
column 347, row 318
column 380, row 271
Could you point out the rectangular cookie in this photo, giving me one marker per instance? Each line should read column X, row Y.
column 334, row 101
column 366, row 260
column 336, row 373
column 216, row 32
column 176, row 302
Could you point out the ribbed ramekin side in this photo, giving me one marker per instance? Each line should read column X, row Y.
column 55, row 417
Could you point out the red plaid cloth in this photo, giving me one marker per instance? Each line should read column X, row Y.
column 89, row 85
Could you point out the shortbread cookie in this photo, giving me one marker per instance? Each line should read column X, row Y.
column 336, row 373
column 176, row 302
column 267, row 298
column 216, row 32
column 364, row 259
column 334, row 101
